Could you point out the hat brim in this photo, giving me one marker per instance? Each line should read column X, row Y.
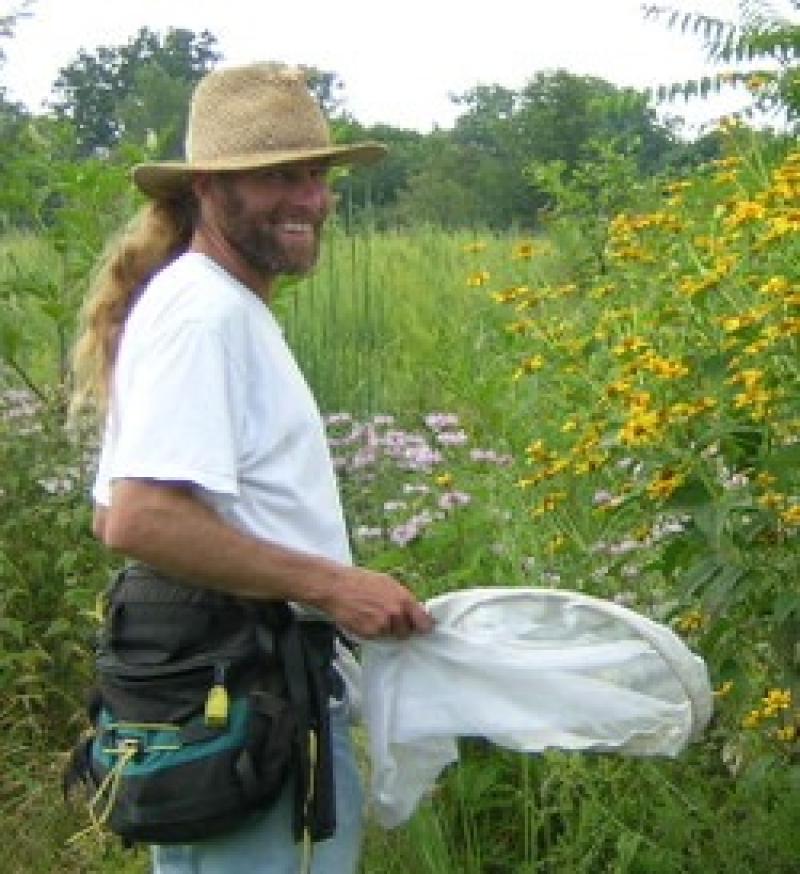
column 162, row 179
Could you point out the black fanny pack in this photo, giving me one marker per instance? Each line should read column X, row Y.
column 205, row 705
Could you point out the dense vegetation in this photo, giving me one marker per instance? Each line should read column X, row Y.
column 591, row 348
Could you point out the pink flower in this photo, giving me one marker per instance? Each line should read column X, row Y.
column 451, row 500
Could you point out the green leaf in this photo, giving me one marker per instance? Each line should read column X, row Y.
column 692, row 494
column 786, row 605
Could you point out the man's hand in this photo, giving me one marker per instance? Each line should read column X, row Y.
column 369, row 604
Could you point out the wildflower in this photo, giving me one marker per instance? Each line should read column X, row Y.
column 694, row 620
column 529, row 365
column 765, row 479
column 509, row 295
column 771, row 500
column 474, row 247
column 451, row 500
column 664, row 483
column 724, row 690
column 775, row 285
column 750, row 378
column 440, row 421
column 338, row 418
column 478, row 278
column 549, row 503
column 643, row 427
column 364, row 532
column 792, row 515
column 630, row 344
column 752, row 719
column 490, row 456
column 415, row 489
column 522, row 326
column 606, row 500
column 524, row 251
column 787, row 734
column 745, row 211
column 393, row 506
column 444, row 480
column 452, row 438
column 776, row 700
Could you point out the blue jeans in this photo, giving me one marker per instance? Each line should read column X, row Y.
column 266, row 846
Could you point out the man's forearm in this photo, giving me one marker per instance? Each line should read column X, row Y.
column 167, row 527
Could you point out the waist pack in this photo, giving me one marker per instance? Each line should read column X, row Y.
column 205, row 704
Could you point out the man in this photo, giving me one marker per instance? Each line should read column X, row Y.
column 214, row 465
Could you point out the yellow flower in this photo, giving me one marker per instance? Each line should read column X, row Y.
column 664, row 483
column 766, row 479
column 786, row 734
column 757, row 81
column 771, row 500
column 630, row 344
column 776, row 700
column 694, row 620
column 752, row 719
column 520, row 327
column 549, row 503
column 792, row 515
column 537, row 452
column 749, row 378
column 729, row 163
column 524, row 251
column 618, row 388
column 745, row 211
column 480, row 277
column 775, row 285
column 444, row 480
column 474, row 247
column 529, row 365
column 724, row 690
column 643, row 427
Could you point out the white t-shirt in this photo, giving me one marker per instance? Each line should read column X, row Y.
column 205, row 391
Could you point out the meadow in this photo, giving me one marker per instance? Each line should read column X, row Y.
column 499, row 413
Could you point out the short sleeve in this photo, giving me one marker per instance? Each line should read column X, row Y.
column 175, row 410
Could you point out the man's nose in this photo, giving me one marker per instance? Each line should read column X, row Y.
column 312, row 191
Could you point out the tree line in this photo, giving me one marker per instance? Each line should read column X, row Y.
column 499, row 166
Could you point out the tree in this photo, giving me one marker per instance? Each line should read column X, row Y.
column 101, row 92
column 763, row 36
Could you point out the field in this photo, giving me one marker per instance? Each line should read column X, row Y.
column 627, row 429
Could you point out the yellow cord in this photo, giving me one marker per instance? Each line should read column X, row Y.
column 128, row 750
column 308, row 848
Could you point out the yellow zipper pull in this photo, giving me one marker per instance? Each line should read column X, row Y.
column 217, row 703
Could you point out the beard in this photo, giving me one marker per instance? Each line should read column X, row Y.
column 259, row 241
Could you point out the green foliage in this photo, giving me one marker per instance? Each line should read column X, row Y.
column 763, row 37
column 603, row 182
column 71, row 208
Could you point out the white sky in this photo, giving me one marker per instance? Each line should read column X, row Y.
column 399, row 60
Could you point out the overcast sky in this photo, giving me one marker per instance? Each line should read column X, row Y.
column 399, row 61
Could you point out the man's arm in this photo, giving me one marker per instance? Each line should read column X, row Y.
column 168, row 527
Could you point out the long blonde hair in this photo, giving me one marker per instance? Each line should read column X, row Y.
column 160, row 231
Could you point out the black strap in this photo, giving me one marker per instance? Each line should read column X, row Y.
column 306, row 649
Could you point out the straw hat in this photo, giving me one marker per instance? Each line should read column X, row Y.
column 242, row 118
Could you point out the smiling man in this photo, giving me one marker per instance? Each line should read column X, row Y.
column 214, row 467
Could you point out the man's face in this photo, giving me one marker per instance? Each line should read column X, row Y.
column 272, row 218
